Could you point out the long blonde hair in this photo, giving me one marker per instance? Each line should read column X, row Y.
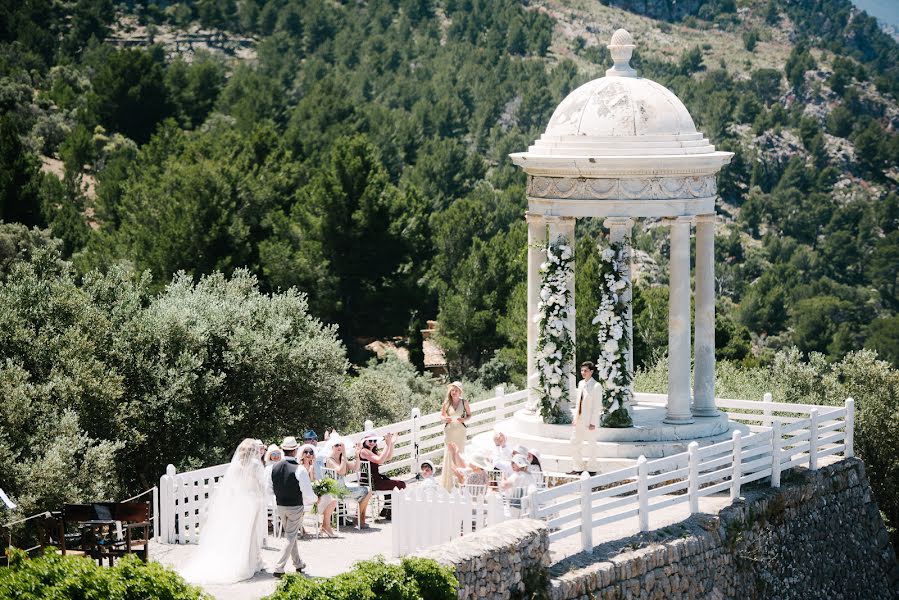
column 448, row 400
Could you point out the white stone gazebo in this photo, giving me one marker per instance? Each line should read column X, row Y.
column 619, row 148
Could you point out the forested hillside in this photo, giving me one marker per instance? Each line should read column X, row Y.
column 357, row 153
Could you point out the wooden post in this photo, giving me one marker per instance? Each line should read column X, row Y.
column 813, row 440
column 156, row 513
column 642, row 493
column 693, row 489
column 534, row 504
column 586, row 514
column 416, row 419
column 776, row 442
column 399, row 508
column 850, row 428
column 736, row 475
column 500, row 404
column 368, row 426
column 767, row 399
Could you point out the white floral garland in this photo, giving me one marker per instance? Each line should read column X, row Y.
column 555, row 347
column 611, row 367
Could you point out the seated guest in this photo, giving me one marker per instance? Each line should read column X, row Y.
column 428, row 481
column 470, row 469
column 502, row 454
column 272, row 455
column 338, row 461
column 519, row 484
column 326, row 503
column 534, row 465
column 311, row 438
column 370, row 453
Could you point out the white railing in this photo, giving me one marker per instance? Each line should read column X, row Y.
column 425, row 518
column 183, row 496
column 652, row 485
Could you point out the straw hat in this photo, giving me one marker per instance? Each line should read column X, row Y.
column 289, row 443
column 535, row 452
column 456, row 384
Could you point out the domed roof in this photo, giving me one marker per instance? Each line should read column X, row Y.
column 624, row 119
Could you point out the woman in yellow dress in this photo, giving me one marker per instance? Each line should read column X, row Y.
column 455, row 412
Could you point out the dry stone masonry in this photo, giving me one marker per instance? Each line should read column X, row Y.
column 818, row 536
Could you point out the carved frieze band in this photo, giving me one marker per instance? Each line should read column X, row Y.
column 650, row 188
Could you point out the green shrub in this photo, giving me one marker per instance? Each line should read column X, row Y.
column 413, row 579
column 63, row 577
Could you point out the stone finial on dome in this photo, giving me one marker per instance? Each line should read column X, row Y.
column 622, row 48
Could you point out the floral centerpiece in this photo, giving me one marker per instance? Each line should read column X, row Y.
column 555, row 347
column 611, row 368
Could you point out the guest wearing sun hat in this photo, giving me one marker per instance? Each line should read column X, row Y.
column 469, row 469
column 292, row 488
column 428, row 481
column 455, row 412
column 369, row 452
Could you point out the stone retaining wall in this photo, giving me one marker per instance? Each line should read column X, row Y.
column 819, row 536
column 500, row 562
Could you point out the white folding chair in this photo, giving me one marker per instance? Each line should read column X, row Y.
column 341, row 513
column 380, row 498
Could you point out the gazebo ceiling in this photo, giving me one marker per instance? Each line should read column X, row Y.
column 621, row 125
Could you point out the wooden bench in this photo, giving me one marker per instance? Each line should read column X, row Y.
column 106, row 529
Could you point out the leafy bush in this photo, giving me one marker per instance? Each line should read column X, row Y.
column 56, row 576
column 413, row 579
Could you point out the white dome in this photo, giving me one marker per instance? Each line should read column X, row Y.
column 621, row 121
column 621, row 107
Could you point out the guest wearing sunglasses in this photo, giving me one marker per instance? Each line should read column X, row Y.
column 338, row 461
column 327, row 503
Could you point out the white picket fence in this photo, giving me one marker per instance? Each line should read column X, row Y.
column 652, row 485
column 183, row 496
column 425, row 518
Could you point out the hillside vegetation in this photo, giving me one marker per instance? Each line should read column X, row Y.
column 355, row 153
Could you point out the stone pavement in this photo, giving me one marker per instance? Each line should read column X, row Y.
column 325, row 557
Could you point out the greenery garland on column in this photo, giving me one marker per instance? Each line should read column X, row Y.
column 555, row 346
column 611, row 365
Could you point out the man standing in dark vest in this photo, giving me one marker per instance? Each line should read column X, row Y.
column 291, row 486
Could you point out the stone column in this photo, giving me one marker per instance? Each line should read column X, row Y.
column 679, row 323
column 620, row 231
column 536, row 239
column 704, row 361
column 564, row 227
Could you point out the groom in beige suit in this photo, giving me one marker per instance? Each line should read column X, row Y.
column 585, row 417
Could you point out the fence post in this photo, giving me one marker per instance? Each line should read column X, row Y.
column 156, row 513
column 776, row 442
column 736, row 475
column 693, row 452
column 534, row 505
column 766, row 410
column 500, row 403
column 169, row 504
column 398, row 500
column 586, row 516
column 368, row 426
column 416, row 419
column 850, row 428
column 643, row 493
column 813, row 440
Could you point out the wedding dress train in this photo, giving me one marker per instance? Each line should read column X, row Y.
column 230, row 538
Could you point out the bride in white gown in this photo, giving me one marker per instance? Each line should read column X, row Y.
column 231, row 536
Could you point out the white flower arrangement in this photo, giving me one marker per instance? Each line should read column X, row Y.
column 611, row 368
column 555, row 346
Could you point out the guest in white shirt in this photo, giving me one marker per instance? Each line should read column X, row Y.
column 428, row 481
column 502, row 454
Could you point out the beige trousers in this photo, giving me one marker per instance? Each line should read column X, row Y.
column 580, row 435
column 291, row 520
